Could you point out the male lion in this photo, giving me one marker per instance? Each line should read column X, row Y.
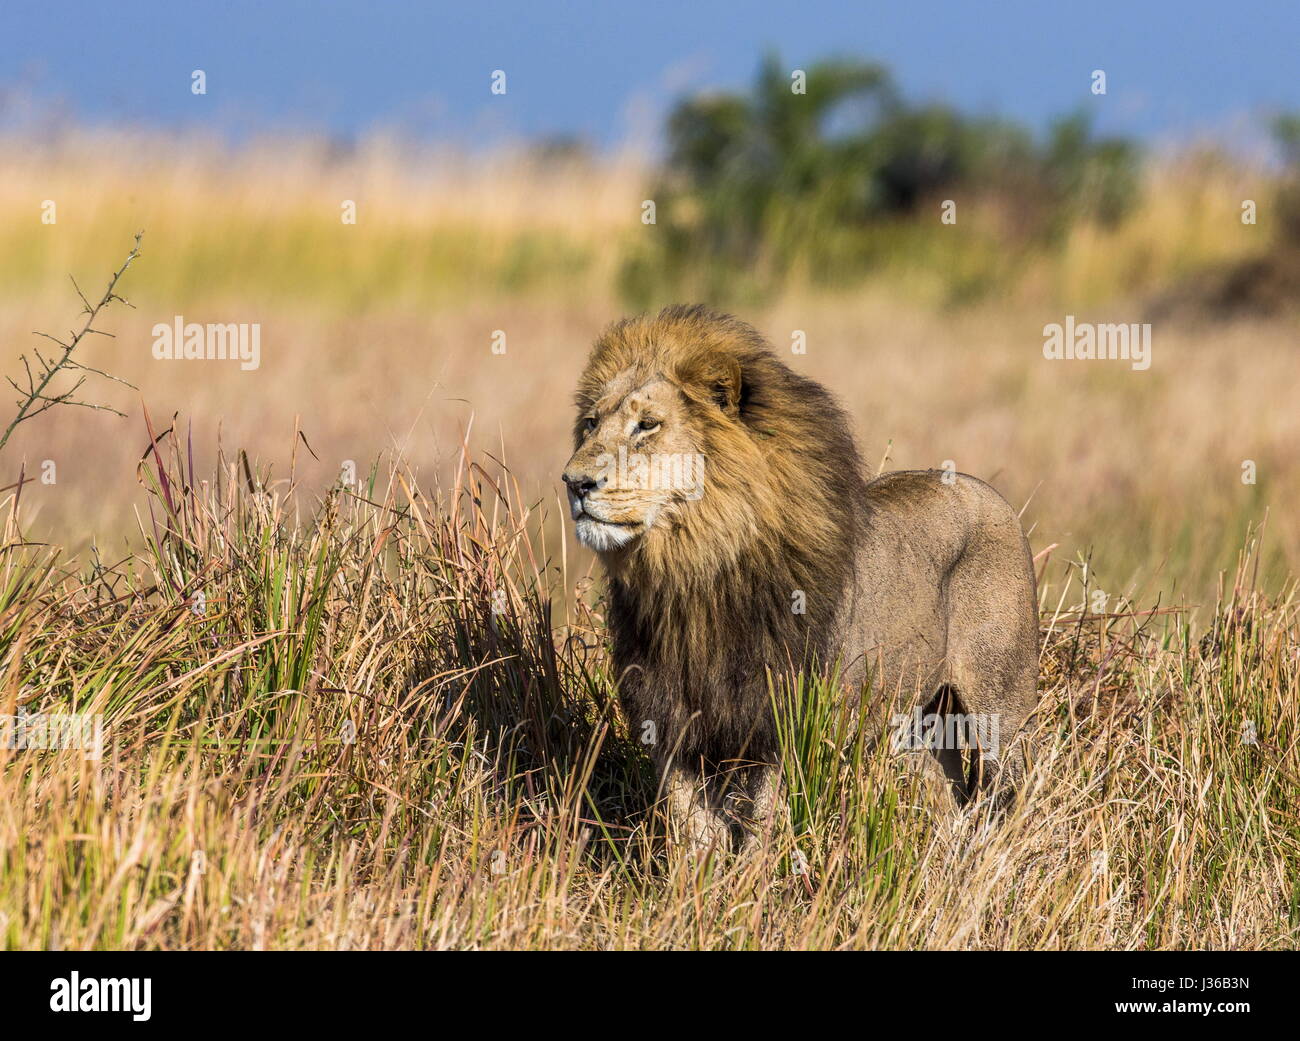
column 725, row 497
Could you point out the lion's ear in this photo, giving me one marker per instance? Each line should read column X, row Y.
column 715, row 377
column 725, row 384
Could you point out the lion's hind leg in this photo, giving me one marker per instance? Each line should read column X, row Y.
column 991, row 663
column 992, row 693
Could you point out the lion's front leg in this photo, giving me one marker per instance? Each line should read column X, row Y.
column 691, row 819
column 766, row 792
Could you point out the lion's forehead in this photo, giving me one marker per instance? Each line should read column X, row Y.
column 632, row 390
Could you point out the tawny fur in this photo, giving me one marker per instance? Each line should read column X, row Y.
column 785, row 558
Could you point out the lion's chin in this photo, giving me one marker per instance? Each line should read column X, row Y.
column 603, row 536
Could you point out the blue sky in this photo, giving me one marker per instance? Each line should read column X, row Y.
column 607, row 71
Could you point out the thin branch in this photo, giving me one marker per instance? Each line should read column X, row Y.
column 81, row 294
column 35, row 398
column 100, row 372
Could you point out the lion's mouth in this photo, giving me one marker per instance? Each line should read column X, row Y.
column 603, row 535
column 584, row 512
column 585, row 515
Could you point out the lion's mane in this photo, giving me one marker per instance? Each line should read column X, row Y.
column 700, row 609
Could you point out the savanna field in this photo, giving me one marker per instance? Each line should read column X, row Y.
column 351, row 664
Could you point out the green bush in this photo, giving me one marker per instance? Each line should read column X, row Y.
column 775, row 182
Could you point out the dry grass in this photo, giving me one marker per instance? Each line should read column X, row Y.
column 387, row 722
column 372, row 731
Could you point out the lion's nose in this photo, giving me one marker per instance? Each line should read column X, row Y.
column 580, row 484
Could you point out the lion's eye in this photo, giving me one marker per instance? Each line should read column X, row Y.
column 588, row 424
column 649, row 425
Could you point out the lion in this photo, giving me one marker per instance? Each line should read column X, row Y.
column 725, row 497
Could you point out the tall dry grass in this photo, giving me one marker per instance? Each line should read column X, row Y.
column 379, row 714
column 363, row 724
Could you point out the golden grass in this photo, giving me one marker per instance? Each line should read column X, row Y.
column 263, row 225
column 373, row 731
column 353, row 745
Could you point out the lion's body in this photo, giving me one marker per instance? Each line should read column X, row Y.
column 944, row 598
column 787, row 560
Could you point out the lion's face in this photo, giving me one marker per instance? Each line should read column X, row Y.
column 638, row 460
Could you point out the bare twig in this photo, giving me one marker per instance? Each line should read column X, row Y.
column 37, row 397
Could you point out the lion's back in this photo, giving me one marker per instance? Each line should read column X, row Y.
column 921, row 528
